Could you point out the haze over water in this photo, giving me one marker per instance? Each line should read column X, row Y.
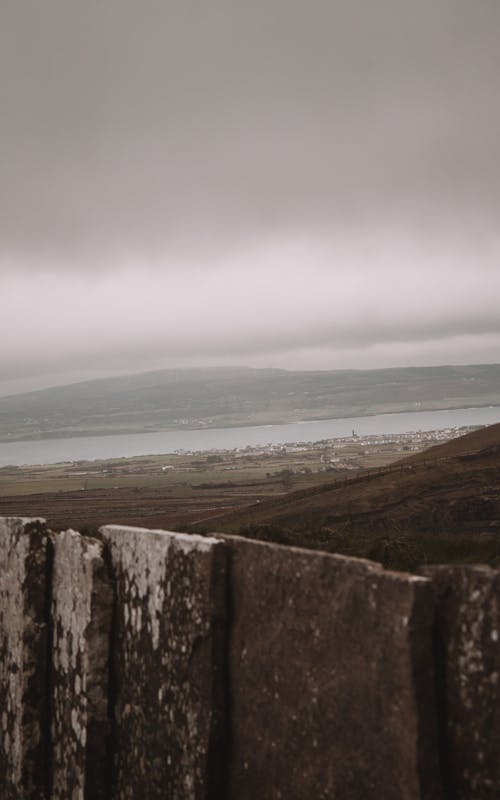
column 90, row 448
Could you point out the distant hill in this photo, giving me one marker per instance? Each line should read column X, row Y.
column 226, row 397
column 442, row 504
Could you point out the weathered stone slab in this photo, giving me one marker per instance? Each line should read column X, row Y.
column 468, row 606
column 82, row 605
column 331, row 678
column 168, row 663
column 23, row 658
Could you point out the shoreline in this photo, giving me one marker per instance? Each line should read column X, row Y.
column 58, row 436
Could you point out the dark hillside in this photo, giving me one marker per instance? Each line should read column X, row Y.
column 443, row 504
column 472, row 443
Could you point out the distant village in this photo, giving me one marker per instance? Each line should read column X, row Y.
column 347, row 452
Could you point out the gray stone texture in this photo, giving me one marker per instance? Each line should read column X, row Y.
column 331, row 678
column 23, row 659
column 168, row 655
column 468, row 647
column 82, row 604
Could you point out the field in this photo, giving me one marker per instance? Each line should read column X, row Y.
column 177, row 490
column 406, row 500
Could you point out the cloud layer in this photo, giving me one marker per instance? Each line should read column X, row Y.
column 297, row 184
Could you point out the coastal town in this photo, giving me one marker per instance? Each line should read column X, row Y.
column 343, row 452
column 297, row 464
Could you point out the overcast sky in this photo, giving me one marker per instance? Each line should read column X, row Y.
column 272, row 183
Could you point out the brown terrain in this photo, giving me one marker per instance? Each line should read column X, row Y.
column 142, row 506
column 136, row 492
column 450, row 488
column 440, row 505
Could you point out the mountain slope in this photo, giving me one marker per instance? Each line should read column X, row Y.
column 451, row 490
column 239, row 396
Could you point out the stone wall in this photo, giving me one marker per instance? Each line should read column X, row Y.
column 168, row 658
column 24, row 621
column 149, row 664
column 81, row 618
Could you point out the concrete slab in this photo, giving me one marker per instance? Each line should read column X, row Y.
column 168, row 663
column 82, row 605
column 24, row 608
column 468, row 604
column 331, row 678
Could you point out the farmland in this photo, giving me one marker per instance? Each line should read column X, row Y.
column 183, row 489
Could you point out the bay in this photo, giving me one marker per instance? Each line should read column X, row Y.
column 51, row 451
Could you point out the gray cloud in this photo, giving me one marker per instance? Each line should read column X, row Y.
column 131, row 125
column 247, row 181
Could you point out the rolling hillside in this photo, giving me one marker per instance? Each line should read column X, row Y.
column 444, row 500
column 225, row 397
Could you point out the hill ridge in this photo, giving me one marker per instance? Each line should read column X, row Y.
column 450, row 490
column 234, row 397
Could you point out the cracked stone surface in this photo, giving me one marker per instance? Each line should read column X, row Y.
column 331, row 678
column 468, row 605
column 82, row 604
column 168, row 655
column 23, row 658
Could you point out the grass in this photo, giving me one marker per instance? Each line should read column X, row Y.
column 403, row 552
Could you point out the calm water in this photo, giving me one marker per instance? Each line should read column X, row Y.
column 52, row 451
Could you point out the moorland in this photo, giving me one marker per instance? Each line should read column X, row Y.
column 405, row 501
